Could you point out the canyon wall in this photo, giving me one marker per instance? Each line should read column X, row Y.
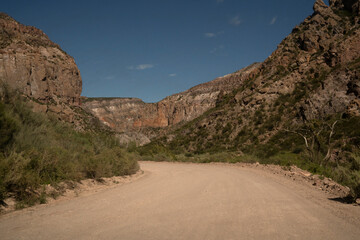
column 313, row 76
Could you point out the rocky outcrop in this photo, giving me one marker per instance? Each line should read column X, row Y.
column 36, row 66
column 348, row 5
column 132, row 114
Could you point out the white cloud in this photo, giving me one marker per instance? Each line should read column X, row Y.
column 144, row 66
column 172, row 75
column 210, row 35
column 141, row 67
column 235, row 21
column 216, row 49
column 110, row 77
column 273, row 20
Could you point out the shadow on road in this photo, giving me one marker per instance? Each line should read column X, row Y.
column 345, row 200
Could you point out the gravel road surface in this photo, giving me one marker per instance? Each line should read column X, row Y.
column 191, row 201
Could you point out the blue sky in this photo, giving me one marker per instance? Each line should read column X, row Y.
column 154, row 48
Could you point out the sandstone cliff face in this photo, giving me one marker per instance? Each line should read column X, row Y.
column 36, row 66
column 132, row 114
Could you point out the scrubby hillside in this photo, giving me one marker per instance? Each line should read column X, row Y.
column 303, row 102
column 38, row 149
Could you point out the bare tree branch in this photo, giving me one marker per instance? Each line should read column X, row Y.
column 332, row 127
column 303, row 136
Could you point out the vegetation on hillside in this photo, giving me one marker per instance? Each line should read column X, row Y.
column 329, row 146
column 38, row 149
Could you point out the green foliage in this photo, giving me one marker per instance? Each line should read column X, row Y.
column 38, row 149
column 348, row 178
column 156, row 151
column 7, row 128
column 349, row 128
column 227, row 129
column 280, row 72
column 207, row 157
column 258, row 117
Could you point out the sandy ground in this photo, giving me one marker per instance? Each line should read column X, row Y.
column 192, row 201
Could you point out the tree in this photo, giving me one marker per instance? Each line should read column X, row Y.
column 317, row 135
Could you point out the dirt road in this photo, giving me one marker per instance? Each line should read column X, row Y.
column 191, row 201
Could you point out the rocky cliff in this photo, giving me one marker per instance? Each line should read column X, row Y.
column 312, row 77
column 133, row 115
column 36, row 66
